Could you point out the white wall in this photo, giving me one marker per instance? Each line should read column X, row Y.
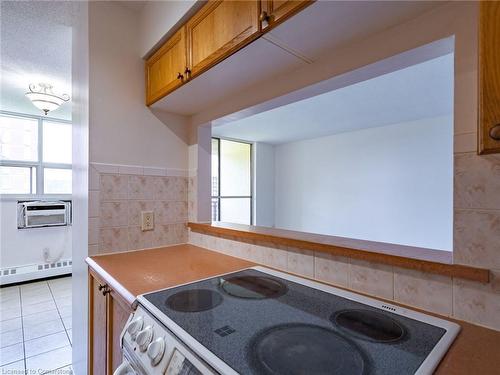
column 389, row 184
column 25, row 246
column 122, row 129
column 263, row 184
column 157, row 18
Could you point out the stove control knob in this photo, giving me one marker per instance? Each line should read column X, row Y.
column 144, row 337
column 156, row 350
column 135, row 326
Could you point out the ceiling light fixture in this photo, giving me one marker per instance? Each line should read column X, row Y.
column 42, row 97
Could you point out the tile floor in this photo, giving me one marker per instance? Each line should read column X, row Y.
column 35, row 328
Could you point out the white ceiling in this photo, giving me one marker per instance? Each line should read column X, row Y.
column 420, row 91
column 317, row 30
column 35, row 40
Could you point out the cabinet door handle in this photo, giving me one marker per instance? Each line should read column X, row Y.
column 180, row 76
column 495, row 132
column 187, row 72
column 106, row 291
column 101, row 287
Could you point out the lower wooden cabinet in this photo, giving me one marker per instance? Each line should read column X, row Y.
column 108, row 314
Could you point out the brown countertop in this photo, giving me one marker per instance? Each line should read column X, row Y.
column 137, row 272
column 475, row 351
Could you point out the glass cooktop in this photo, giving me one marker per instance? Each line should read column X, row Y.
column 261, row 324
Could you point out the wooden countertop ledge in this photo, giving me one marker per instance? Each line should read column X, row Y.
column 421, row 259
column 475, row 351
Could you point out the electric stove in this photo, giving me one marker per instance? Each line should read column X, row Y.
column 261, row 321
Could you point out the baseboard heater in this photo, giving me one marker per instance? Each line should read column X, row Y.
column 9, row 275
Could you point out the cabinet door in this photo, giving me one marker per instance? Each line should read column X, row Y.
column 273, row 12
column 118, row 314
column 97, row 328
column 164, row 67
column 489, row 77
column 219, row 29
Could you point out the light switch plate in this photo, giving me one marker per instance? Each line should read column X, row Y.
column 147, row 220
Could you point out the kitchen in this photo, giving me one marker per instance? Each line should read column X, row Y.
column 151, row 210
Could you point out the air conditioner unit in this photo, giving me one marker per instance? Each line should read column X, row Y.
column 38, row 214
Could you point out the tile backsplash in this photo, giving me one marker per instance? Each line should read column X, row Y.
column 118, row 195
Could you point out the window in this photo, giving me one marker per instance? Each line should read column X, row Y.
column 35, row 155
column 231, row 181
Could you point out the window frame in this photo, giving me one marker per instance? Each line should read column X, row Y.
column 39, row 165
column 219, row 196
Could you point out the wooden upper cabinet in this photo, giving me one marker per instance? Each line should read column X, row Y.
column 489, row 77
column 164, row 67
column 219, row 29
column 273, row 12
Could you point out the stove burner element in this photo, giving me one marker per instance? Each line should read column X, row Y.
column 194, row 300
column 253, row 287
column 305, row 349
column 369, row 325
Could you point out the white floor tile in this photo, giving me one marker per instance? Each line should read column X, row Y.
column 43, row 329
column 65, row 311
column 36, row 298
column 10, row 303
column 10, row 325
column 66, row 370
column 11, row 298
column 9, row 290
column 41, row 317
column 68, row 322
column 45, row 344
column 52, row 360
column 13, row 368
column 38, row 307
column 70, row 334
column 63, row 301
column 11, row 337
column 11, row 313
column 10, row 354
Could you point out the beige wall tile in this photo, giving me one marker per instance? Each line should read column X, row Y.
column 331, row 269
column 94, row 203
column 135, row 209
column 477, row 181
column 371, row 278
column 477, row 238
column 113, row 239
column 170, row 188
column 93, row 230
column 114, row 214
column 465, row 142
column 93, row 250
column 94, row 179
column 478, row 303
column 274, row 257
column 300, row 262
column 141, row 187
column 423, row 290
column 113, row 187
column 139, row 239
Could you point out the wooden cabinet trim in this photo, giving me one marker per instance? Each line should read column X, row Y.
column 489, row 75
